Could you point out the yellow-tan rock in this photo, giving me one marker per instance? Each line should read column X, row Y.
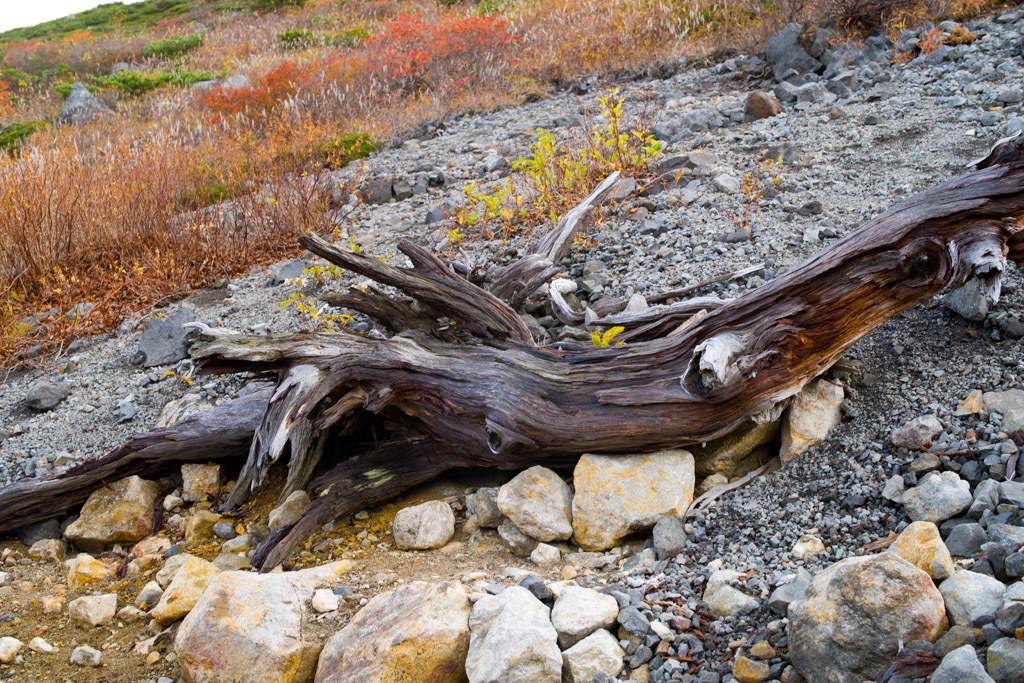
column 728, row 455
column 811, row 416
column 199, row 526
column 417, row 632
column 624, row 494
column 749, row 671
column 199, row 482
column 86, row 570
column 254, row 627
column 921, row 545
column 185, row 590
column 119, row 513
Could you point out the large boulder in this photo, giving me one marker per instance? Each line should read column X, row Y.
column 81, row 106
column 937, row 497
column 165, row 338
column 811, row 416
column 119, row 513
column 849, row 623
column 620, row 495
column 512, row 640
column 598, row 653
column 970, row 595
column 784, row 53
column 539, row 503
column 45, row 395
column 419, row 631
column 730, row 455
column 1005, row 660
column 961, row 666
column 424, row 526
column 579, row 611
column 250, row 626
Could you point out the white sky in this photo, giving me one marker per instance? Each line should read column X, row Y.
column 18, row 13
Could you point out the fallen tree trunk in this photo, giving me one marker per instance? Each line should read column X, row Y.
column 463, row 385
column 223, row 432
column 499, row 402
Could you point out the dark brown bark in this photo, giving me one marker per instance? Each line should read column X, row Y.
column 223, row 432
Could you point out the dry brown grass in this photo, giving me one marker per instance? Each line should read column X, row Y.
column 115, row 214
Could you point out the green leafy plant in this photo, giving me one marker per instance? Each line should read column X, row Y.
column 14, row 134
column 277, row 4
column 174, row 46
column 603, row 340
column 297, row 38
column 138, row 83
column 346, row 148
column 349, row 37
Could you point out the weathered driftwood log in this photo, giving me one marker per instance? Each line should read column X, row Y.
column 223, row 432
column 463, row 384
column 434, row 405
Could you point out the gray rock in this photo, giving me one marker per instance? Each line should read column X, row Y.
column 289, row 512
column 520, row 544
column 1008, row 535
column 965, row 540
column 1011, row 492
column 961, row 666
column 433, row 216
column 539, row 503
column 46, row 395
column 893, row 489
column 494, row 162
column 512, row 640
column 483, row 504
column 1010, row 95
column 917, row 433
column 969, row 595
column 86, row 656
column 1010, row 404
column 783, row 596
column 986, row 497
column 848, row 624
column 377, row 191
column 669, row 536
column 785, row 55
column 727, row 183
column 29, row 534
column 546, row 555
column 597, row 654
column 937, row 497
column 289, row 270
column 972, row 301
column 1005, row 660
column 165, row 338
column 633, row 621
column 424, row 526
column 80, row 107
column 724, row 600
column 93, row 610
column 578, row 612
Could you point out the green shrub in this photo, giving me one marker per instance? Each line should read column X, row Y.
column 137, row 83
column 297, row 38
column 277, row 4
column 349, row 37
column 63, row 88
column 206, row 195
column 345, row 149
column 174, row 45
column 12, row 135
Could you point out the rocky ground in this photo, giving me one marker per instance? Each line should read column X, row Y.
column 910, row 445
